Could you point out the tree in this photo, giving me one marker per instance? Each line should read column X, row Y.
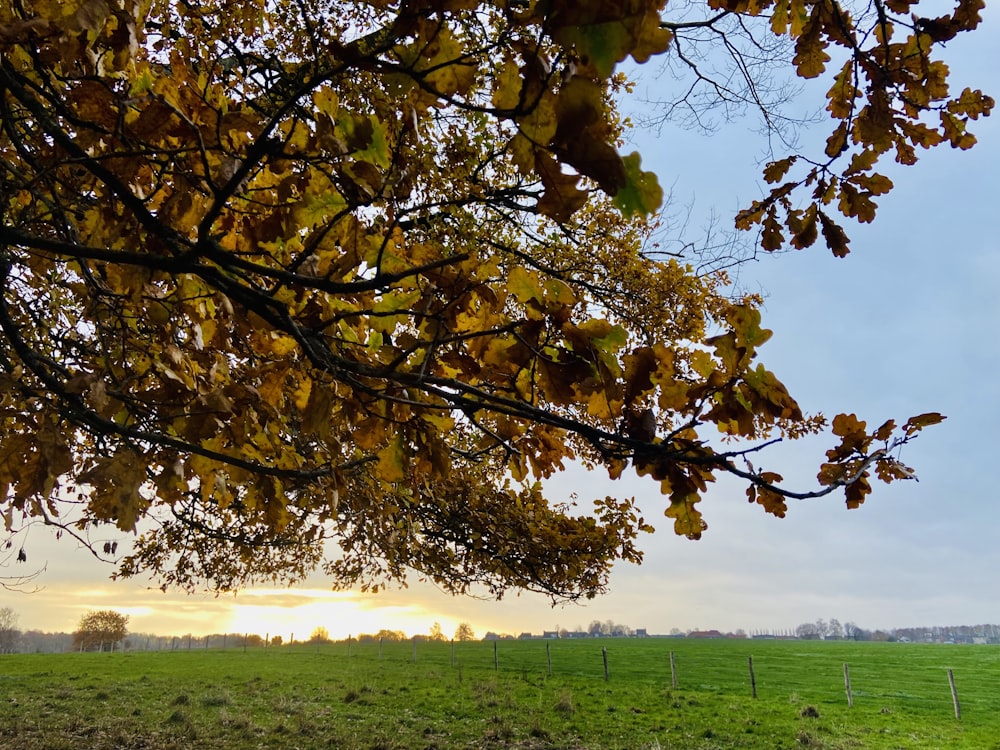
column 100, row 630
column 319, row 635
column 464, row 632
column 436, row 633
column 621, row 631
column 807, row 630
column 280, row 278
column 9, row 633
column 855, row 633
column 834, row 628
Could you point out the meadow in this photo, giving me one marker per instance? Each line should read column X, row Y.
column 441, row 696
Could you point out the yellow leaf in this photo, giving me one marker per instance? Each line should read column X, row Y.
column 507, row 85
column 272, row 388
column 687, row 518
column 779, row 17
column 392, row 460
column 302, row 392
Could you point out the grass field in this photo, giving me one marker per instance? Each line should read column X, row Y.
column 350, row 696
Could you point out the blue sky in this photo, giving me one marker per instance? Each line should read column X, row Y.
column 906, row 324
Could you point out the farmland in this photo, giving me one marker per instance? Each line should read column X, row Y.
column 439, row 696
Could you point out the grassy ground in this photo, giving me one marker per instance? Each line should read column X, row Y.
column 304, row 697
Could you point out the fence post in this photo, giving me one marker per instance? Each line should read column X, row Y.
column 753, row 679
column 954, row 694
column 604, row 655
column 348, row 645
column 847, row 686
column 414, row 639
column 453, row 653
column 496, row 658
column 548, row 656
column 673, row 672
column 380, row 649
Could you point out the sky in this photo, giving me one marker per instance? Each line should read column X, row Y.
column 906, row 324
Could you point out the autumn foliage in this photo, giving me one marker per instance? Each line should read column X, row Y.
column 318, row 283
column 101, row 630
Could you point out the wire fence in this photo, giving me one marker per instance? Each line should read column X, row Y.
column 947, row 680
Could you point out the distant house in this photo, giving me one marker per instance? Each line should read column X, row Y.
column 578, row 634
column 641, row 633
column 553, row 634
column 705, row 634
column 526, row 637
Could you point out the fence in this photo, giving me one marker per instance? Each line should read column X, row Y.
column 948, row 680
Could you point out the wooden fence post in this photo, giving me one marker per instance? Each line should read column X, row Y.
column 453, row 653
column 954, row 694
column 548, row 656
column 604, row 655
column 414, row 639
column 380, row 649
column 673, row 672
column 496, row 658
column 753, row 679
column 847, row 686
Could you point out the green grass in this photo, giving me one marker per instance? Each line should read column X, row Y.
column 304, row 697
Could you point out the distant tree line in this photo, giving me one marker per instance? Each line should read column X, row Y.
column 833, row 630
column 107, row 630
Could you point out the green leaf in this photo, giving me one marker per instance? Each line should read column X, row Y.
column 604, row 45
column 642, row 193
column 524, row 285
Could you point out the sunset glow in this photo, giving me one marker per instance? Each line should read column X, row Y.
column 296, row 614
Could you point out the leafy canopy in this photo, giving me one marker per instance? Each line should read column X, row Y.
column 100, row 629
column 318, row 283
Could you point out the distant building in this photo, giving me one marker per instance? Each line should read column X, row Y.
column 526, row 637
column 641, row 633
column 553, row 634
column 705, row 634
